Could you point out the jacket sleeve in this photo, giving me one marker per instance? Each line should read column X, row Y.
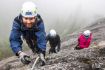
column 41, row 37
column 81, row 42
column 89, row 41
column 59, row 41
column 15, row 38
column 47, row 38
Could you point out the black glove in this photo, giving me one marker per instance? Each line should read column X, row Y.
column 25, row 59
column 58, row 48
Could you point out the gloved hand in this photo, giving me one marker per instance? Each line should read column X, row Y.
column 58, row 48
column 25, row 59
column 42, row 57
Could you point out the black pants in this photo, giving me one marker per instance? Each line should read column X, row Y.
column 53, row 48
column 32, row 44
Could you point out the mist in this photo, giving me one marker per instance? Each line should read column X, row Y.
column 65, row 16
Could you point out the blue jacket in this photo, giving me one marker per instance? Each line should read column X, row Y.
column 16, row 33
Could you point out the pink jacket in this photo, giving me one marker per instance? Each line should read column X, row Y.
column 83, row 42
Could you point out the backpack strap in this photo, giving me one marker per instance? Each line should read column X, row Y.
column 39, row 20
column 18, row 19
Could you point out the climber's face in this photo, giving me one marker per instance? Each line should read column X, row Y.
column 29, row 21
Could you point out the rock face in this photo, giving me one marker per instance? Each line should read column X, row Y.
column 92, row 58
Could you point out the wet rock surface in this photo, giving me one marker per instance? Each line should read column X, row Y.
column 92, row 58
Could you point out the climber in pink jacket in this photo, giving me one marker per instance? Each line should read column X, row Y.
column 84, row 40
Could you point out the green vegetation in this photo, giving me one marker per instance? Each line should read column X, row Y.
column 5, row 50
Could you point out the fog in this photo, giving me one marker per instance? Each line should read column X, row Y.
column 65, row 16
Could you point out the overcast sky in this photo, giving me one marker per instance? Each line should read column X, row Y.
column 58, row 14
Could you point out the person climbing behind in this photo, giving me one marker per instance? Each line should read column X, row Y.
column 84, row 40
column 54, row 41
